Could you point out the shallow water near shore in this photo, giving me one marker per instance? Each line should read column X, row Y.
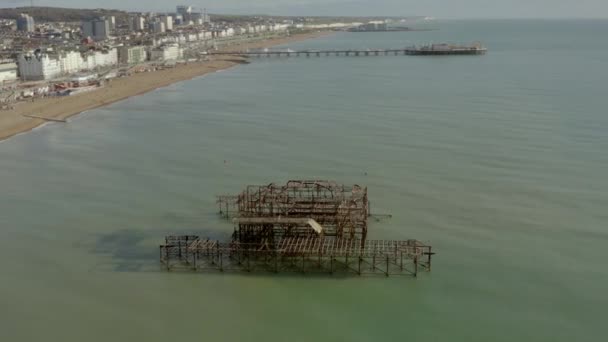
column 499, row 161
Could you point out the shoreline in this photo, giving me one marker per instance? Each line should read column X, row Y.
column 13, row 122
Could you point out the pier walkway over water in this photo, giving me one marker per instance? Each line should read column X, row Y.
column 299, row 255
column 411, row 51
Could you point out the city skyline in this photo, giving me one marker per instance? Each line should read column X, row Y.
column 436, row 8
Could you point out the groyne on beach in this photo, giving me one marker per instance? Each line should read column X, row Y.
column 27, row 115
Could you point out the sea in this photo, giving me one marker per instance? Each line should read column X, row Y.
column 499, row 161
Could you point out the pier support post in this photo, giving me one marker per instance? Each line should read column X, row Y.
column 179, row 250
column 387, row 265
column 221, row 262
column 320, row 256
column 218, row 255
column 167, row 257
column 374, row 261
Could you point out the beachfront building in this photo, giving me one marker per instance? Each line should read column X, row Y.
column 191, row 37
column 8, row 71
column 70, row 62
column 167, row 52
column 206, row 35
column 99, row 59
column 280, row 27
column 132, row 54
column 38, row 66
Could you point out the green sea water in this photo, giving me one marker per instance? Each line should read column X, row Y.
column 499, row 161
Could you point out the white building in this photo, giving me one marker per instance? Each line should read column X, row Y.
column 70, row 62
column 168, row 21
column 132, row 54
column 97, row 59
column 8, row 71
column 25, row 23
column 138, row 23
column 204, row 35
column 168, row 52
column 112, row 20
column 38, row 66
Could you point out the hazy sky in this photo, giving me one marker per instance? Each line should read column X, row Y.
column 436, row 8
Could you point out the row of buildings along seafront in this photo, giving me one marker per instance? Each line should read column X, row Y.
column 51, row 50
column 41, row 65
column 44, row 65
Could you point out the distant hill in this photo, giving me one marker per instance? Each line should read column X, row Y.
column 53, row 14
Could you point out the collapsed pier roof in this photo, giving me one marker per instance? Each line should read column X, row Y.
column 300, row 208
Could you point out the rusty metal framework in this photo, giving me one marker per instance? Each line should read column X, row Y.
column 306, row 226
column 299, row 255
column 341, row 211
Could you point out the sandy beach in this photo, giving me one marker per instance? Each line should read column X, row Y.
column 13, row 121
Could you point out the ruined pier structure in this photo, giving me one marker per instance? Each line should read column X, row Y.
column 302, row 226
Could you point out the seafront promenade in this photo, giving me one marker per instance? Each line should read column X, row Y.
column 19, row 119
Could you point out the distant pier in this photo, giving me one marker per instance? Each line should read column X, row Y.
column 434, row 50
